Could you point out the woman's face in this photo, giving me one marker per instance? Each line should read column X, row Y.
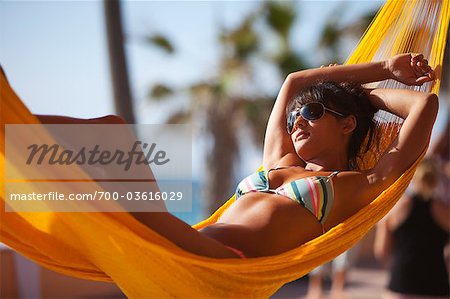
column 312, row 139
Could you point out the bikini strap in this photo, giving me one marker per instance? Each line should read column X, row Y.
column 278, row 167
column 282, row 167
column 333, row 174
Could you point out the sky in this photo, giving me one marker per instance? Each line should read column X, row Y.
column 55, row 52
column 55, row 55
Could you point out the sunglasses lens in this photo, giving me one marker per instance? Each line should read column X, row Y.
column 312, row 111
column 291, row 120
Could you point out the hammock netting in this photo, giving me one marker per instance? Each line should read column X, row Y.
column 115, row 247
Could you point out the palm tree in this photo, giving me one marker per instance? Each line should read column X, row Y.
column 335, row 32
column 117, row 61
column 220, row 105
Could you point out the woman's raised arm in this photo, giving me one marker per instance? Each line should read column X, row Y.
column 277, row 142
column 419, row 111
column 406, row 68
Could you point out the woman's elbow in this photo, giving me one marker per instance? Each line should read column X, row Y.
column 427, row 105
column 432, row 104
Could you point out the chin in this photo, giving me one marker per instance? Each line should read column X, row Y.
column 305, row 152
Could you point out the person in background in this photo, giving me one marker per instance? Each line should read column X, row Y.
column 413, row 235
column 441, row 154
column 337, row 269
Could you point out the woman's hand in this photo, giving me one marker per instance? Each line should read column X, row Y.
column 410, row 69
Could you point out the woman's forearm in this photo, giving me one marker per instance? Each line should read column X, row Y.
column 357, row 73
column 409, row 69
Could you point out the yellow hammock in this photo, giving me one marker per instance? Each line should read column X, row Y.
column 114, row 247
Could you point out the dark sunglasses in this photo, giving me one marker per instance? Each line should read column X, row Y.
column 309, row 111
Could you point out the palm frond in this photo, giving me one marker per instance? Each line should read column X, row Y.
column 159, row 92
column 180, row 117
column 162, row 43
column 280, row 16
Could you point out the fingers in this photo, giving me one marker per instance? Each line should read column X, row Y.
column 431, row 74
column 423, row 65
column 422, row 70
column 418, row 70
column 422, row 80
column 416, row 57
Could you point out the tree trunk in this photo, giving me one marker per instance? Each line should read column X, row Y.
column 221, row 159
column 117, row 61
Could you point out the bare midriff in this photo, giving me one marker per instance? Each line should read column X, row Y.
column 264, row 224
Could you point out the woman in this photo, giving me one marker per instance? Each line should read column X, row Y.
column 413, row 235
column 327, row 124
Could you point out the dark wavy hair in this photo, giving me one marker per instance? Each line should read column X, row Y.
column 349, row 99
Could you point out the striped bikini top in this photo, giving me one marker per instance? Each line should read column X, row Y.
column 314, row 193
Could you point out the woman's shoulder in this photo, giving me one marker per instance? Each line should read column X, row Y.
column 357, row 189
column 350, row 179
column 370, row 183
column 352, row 192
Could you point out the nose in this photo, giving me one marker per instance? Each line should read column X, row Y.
column 300, row 122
